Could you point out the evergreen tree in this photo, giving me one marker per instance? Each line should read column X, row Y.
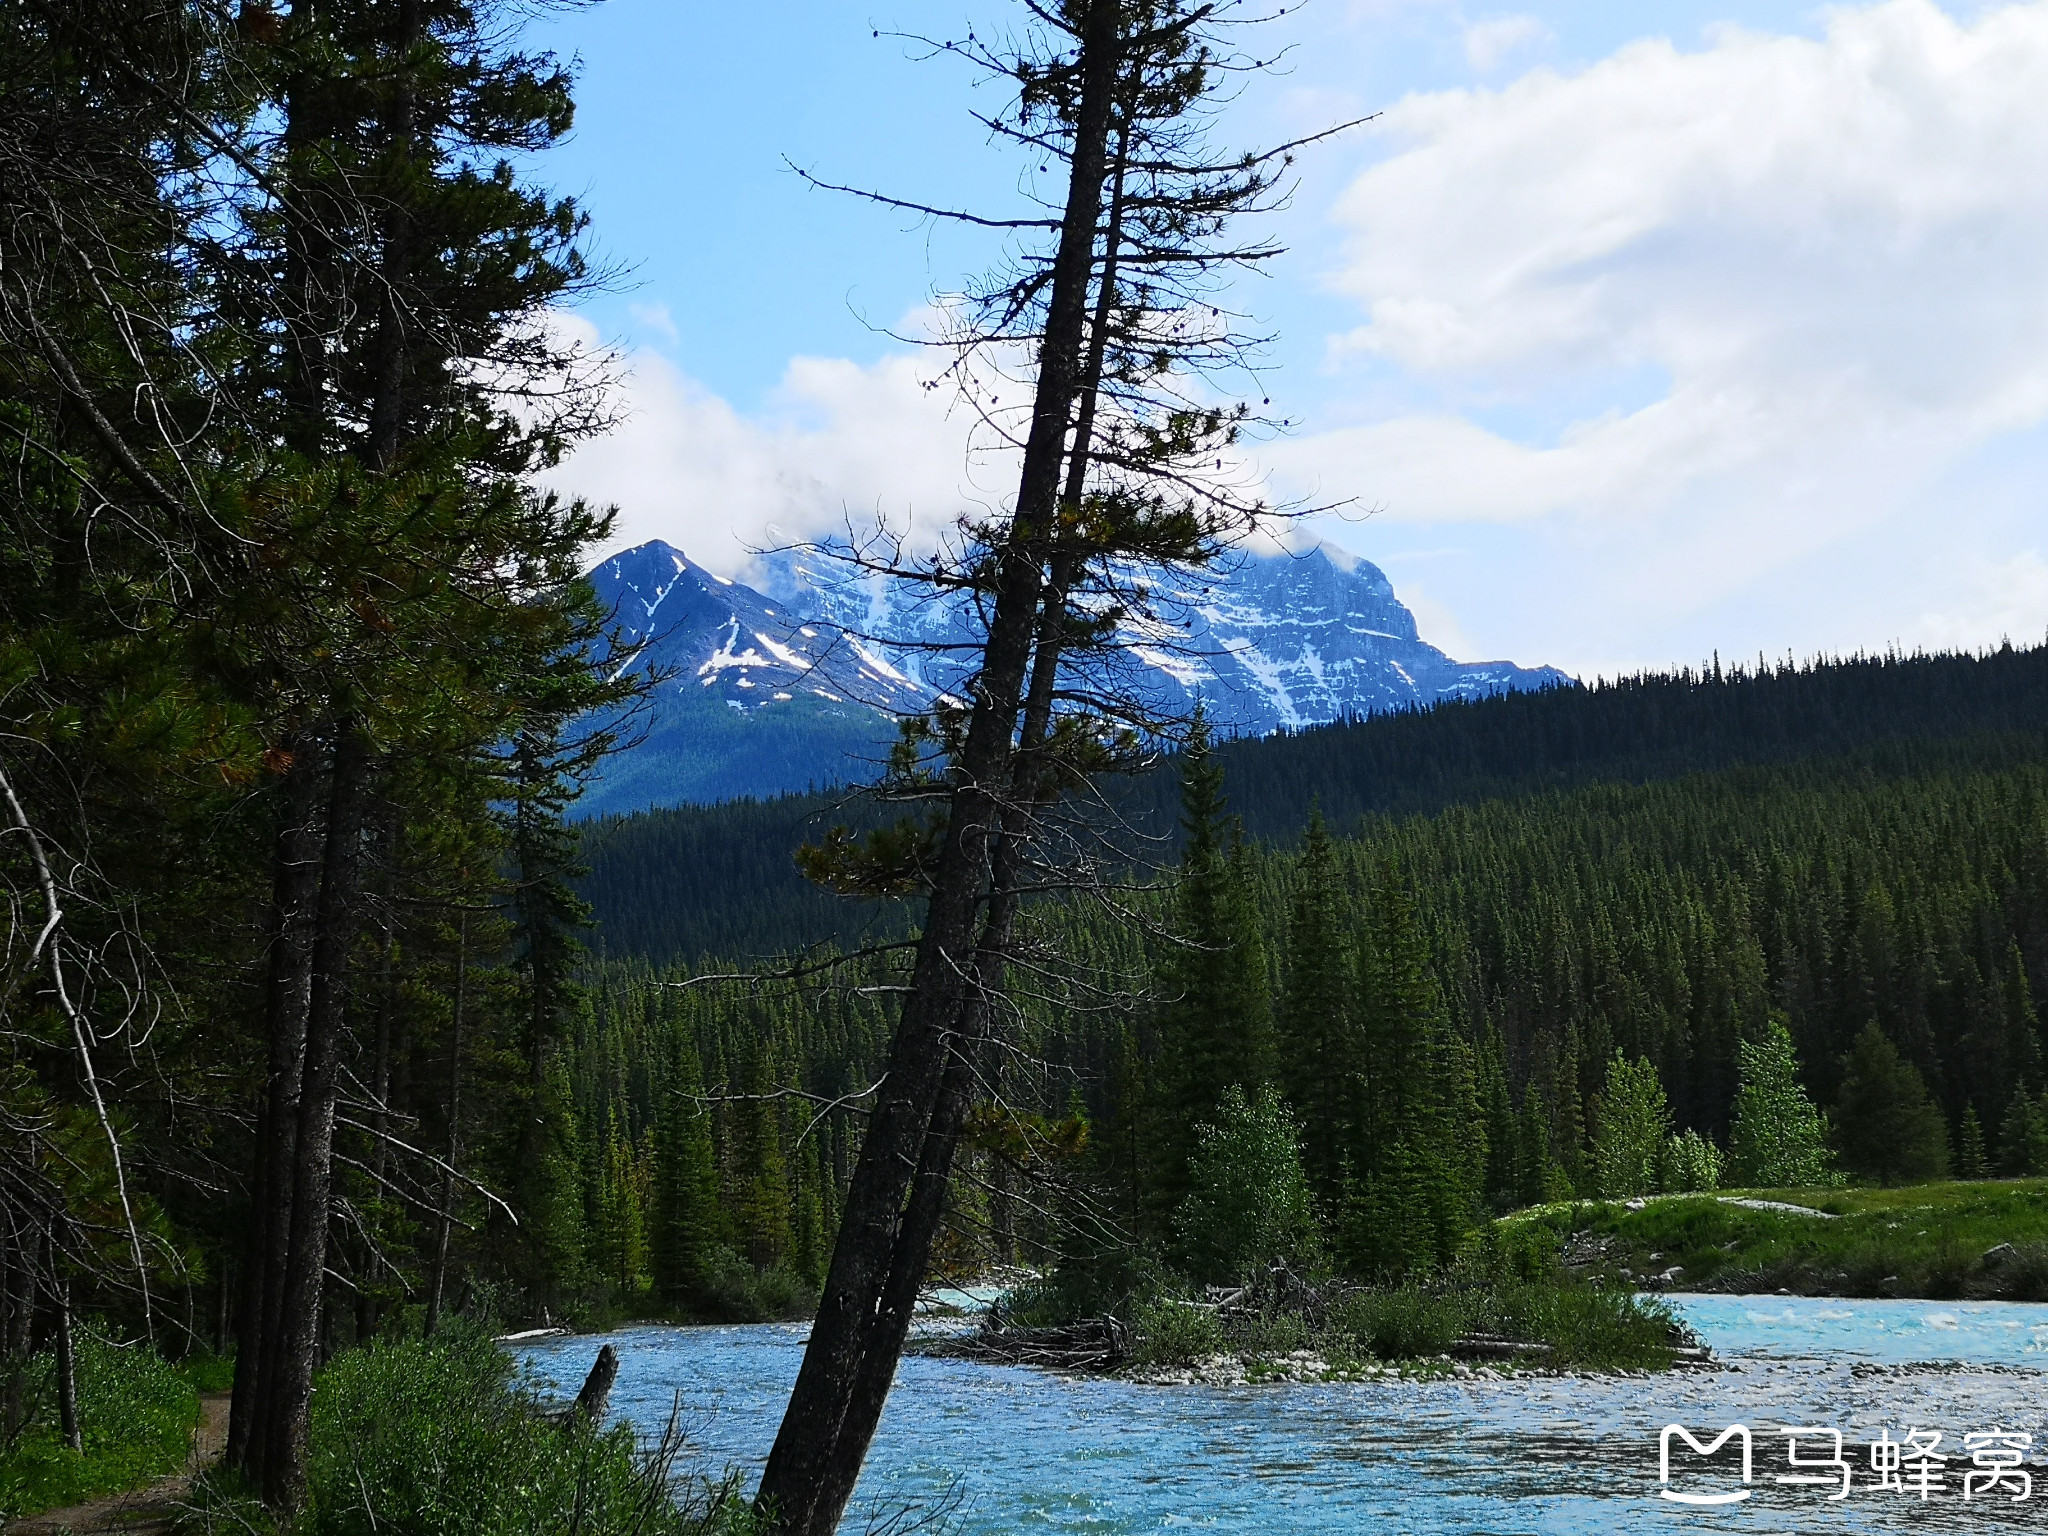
column 1419, row 1153
column 1889, row 1129
column 2023, row 1137
column 686, row 1208
column 1568, row 1117
column 618, row 1213
column 1316, row 1027
column 1777, row 1139
column 764, row 1204
column 1538, row 1177
column 1505, row 1157
column 1632, row 1124
column 1970, row 1159
column 1215, row 1023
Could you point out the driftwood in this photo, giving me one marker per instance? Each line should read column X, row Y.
column 595, row 1399
column 1487, row 1346
column 1099, row 1344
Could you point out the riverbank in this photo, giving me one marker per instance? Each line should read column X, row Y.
column 1982, row 1240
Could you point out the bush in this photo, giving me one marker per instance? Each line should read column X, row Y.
column 1583, row 1325
column 439, row 1438
column 1171, row 1332
column 135, row 1417
column 1691, row 1163
column 733, row 1291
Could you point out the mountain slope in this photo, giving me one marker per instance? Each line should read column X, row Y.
column 697, row 880
column 795, row 686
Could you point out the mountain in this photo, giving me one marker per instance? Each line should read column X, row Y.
column 794, row 685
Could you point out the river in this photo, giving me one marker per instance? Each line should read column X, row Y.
column 1022, row 1451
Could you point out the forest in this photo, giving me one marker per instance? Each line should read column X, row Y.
column 1507, row 954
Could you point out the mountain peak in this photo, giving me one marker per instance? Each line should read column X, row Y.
column 800, row 685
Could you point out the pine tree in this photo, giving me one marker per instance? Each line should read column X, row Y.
column 1890, row 1130
column 1505, row 1157
column 618, row 1214
column 764, row 1204
column 1316, row 1026
column 1418, row 1153
column 1568, row 1118
column 1970, row 1160
column 686, row 1209
column 1538, row 1177
column 1215, row 1023
column 2023, row 1137
column 1777, row 1138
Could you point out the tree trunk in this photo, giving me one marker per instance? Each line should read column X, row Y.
column 67, row 1368
column 882, row 1247
column 440, row 1281
column 295, row 873
column 312, row 1170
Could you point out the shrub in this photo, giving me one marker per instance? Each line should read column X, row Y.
column 734, row 1291
column 439, row 1438
column 1171, row 1332
column 1691, row 1163
column 1583, row 1325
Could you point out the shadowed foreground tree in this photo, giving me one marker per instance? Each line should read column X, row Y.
column 1112, row 328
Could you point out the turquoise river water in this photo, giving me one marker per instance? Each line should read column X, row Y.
column 1024, row 1451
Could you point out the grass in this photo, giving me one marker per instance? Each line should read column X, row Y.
column 135, row 1417
column 442, row 1438
column 1931, row 1240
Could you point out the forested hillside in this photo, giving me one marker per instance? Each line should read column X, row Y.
column 1508, row 1000
column 703, row 881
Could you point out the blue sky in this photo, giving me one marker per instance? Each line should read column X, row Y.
column 1641, row 331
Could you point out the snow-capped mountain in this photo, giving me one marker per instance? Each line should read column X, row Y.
column 795, row 683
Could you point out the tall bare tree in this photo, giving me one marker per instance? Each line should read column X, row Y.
column 1125, row 468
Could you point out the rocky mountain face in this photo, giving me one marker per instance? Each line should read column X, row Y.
column 794, row 684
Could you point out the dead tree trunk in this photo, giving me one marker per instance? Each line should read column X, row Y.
column 67, row 1367
column 438, row 1288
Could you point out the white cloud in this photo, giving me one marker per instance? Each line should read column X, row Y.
column 1739, row 347
column 838, row 442
column 1829, row 250
column 1491, row 43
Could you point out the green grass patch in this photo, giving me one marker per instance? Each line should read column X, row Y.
column 135, row 1417
column 1978, row 1240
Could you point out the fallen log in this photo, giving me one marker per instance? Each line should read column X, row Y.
column 1484, row 1346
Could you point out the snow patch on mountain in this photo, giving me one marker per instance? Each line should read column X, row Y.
column 1264, row 642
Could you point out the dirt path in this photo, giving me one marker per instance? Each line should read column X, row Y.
column 141, row 1511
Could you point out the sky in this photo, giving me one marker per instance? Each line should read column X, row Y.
column 1624, row 335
